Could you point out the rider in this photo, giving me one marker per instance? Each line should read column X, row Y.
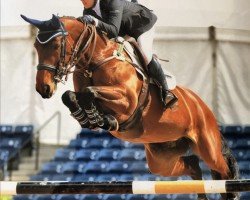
column 122, row 17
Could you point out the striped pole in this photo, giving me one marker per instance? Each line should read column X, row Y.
column 130, row 187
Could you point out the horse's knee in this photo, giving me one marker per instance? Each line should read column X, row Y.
column 69, row 99
column 86, row 97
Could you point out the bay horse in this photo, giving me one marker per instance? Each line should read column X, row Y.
column 113, row 87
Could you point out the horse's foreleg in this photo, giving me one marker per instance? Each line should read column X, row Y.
column 87, row 101
column 69, row 100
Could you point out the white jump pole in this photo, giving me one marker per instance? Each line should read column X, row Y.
column 130, row 187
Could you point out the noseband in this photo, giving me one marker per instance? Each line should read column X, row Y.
column 63, row 68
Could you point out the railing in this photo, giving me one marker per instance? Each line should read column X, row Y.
column 37, row 134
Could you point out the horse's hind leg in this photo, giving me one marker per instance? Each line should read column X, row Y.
column 214, row 152
column 233, row 167
column 167, row 159
column 192, row 162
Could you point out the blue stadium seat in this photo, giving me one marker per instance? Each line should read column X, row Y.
column 108, row 154
column 139, row 167
column 73, row 167
column 25, row 133
column 62, row 177
column 126, row 177
column 86, row 154
column 84, row 177
column 239, row 154
column 137, row 197
column 85, row 132
column 151, row 177
column 4, row 155
column 45, row 197
column 233, row 130
column 246, row 130
column 108, row 177
column 97, row 167
column 5, row 129
column 24, row 197
column 160, row 197
column 92, row 197
column 65, row 155
column 185, row 196
column 114, row 197
column 245, row 196
column 131, row 155
column 244, row 166
column 119, row 167
column 13, row 156
column 242, row 143
column 24, row 129
column 231, row 142
column 247, row 155
column 78, row 143
column 67, row 197
column 130, row 145
column 13, row 142
column 115, row 143
column 42, row 177
column 52, row 168
column 101, row 142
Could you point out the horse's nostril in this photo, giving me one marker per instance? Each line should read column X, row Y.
column 46, row 89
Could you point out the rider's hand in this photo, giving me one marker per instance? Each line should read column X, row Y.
column 88, row 19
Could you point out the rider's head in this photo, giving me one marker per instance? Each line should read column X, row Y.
column 88, row 3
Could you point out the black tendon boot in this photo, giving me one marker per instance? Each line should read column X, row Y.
column 69, row 100
column 155, row 71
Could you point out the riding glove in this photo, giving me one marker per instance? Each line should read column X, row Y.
column 88, row 19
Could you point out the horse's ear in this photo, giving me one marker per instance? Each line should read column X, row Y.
column 55, row 22
column 37, row 23
column 52, row 24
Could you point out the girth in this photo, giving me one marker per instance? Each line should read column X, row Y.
column 137, row 115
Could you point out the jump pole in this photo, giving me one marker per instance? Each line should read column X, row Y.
column 130, row 187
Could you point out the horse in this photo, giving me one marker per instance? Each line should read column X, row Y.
column 109, row 87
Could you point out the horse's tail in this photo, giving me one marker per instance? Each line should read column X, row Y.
column 230, row 159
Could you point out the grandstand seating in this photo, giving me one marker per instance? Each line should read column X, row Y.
column 98, row 156
column 14, row 143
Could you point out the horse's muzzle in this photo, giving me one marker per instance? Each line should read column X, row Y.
column 45, row 92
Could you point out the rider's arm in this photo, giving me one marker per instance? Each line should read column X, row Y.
column 112, row 25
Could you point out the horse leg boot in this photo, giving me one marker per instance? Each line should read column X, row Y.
column 155, row 71
column 96, row 119
column 69, row 100
column 192, row 162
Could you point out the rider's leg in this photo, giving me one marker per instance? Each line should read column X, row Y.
column 155, row 71
column 69, row 99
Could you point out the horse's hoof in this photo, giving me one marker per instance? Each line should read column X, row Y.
column 110, row 123
column 69, row 100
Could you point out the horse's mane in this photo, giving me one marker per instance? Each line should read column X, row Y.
column 68, row 17
column 102, row 34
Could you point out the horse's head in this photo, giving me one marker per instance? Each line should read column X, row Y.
column 54, row 54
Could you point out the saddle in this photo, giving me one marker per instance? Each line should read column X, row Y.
column 140, row 61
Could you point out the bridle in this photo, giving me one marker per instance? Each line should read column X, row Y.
column 63, row 68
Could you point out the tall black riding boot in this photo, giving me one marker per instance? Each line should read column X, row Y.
column 155, row 71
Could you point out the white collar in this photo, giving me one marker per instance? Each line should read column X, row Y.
column 97, row 8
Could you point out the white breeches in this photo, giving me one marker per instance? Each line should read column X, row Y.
column 145, row 41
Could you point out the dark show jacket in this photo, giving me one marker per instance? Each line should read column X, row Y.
column 121, row 17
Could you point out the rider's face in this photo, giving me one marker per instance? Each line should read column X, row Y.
column 88, row 3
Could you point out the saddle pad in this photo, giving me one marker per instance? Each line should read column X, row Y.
column 170, row 78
